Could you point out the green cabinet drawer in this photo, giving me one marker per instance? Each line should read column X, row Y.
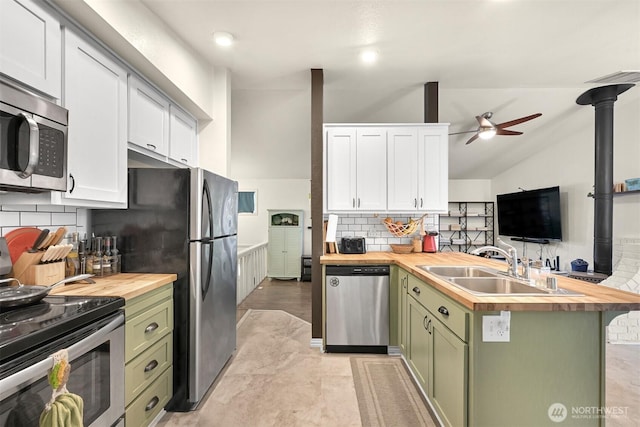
column 148, row 405
column 145, row 301
column 143, row 330
column 145, row 368
column 450, row 313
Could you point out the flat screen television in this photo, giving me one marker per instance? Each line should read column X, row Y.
column 532, row 215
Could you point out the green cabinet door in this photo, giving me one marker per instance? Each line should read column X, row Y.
column 448, row 380
column 418, row 345
column 403, row 280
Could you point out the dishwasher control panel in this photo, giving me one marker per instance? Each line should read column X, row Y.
column 358, row 270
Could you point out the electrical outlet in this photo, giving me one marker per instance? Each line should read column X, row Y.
column 373, row 233
column 496, row 328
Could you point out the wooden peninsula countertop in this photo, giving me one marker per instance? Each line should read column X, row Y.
column 124, row 285
column 594, row 297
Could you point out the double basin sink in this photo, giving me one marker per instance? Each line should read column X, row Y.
column 489, row 282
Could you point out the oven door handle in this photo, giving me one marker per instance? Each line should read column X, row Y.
column 13, row 383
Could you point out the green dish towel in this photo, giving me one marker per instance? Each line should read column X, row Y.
column 66, row 411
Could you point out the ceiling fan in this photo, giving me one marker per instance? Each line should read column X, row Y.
column 487, row 129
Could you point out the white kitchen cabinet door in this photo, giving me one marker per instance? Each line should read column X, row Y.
column 148, row 117
column 433, row 172
column 341, row 169
column 183, row 137
column 96, row 97
column 402, row 161
column 30, row 45
column 356, row 170
column 371, row 167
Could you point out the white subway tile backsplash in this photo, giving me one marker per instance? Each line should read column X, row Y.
column 9, row 219
column 67, row 218
column 34, row 219
column 43, row 216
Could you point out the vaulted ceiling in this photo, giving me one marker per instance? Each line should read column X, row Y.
column 511, row 57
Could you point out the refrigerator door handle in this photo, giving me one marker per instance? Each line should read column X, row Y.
column 207, row 219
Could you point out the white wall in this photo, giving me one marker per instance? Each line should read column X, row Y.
column 470, row 190
column 274, row 194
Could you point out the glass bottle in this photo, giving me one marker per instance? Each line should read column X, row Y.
column 82, row 256
column 106, row 257
column 115, row 256
column 72, row 261
column 96, row 258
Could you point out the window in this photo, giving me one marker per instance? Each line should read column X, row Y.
column 248, row 202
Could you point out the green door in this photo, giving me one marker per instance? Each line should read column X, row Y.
column 418, row 340
column 447, row 374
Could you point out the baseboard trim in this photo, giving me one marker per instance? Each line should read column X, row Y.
column 316, row 343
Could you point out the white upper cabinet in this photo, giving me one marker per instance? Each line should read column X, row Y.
column 183, row 138
column 356, row 170
column 402, row 159
column 30, row 45
column 392, row 168
column 418, row 168
column 148, row 117
column 433, row 172
column 96, row 97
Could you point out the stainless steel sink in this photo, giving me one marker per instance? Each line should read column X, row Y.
column 496, row 285
column 460, row 271
column 486, row 281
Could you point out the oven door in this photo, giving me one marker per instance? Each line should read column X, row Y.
column 97, row 375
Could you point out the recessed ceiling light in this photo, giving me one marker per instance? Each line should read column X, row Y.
column 223, row 38
column 369, row 56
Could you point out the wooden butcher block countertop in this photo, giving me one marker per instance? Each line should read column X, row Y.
column 595, row 297
column 125, row 285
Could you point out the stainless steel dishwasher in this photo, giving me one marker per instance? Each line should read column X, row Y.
column 357, row 304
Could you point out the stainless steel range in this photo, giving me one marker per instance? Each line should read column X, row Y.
column 91, row 329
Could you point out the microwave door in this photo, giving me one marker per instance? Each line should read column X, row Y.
column 12, row 129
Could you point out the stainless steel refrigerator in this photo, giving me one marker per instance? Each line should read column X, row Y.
column 184, row 221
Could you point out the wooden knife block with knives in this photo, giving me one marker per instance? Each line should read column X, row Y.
column 44, row 264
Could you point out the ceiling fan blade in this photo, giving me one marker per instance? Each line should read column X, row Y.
column 518, row 121
column 507, row 132
column 473, row 138
column 466, row 131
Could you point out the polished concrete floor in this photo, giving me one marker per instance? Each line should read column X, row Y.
column 623, row 361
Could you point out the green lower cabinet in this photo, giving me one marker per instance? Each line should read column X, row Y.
column 447, row 388
column 403, row 279
column 418, row 345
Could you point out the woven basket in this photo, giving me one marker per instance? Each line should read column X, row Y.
column 404, row 229
column 401, row 249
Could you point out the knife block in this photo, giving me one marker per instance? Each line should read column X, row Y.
column 29, row 272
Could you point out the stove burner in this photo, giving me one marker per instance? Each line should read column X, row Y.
column 24, row 314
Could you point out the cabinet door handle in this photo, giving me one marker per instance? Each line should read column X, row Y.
column 353, row 202
column 151, row 366
column 152, row 403
column 151, row 147
column 358, row 201
column 443, row 310
column 152, row 327
column 425, row 324
column 185, row 161
column 420, row 201
column 415, row 203
column 73, row 183
column 416, row 290
column 429, row 326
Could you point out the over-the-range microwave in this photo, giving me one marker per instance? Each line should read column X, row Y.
column 33, row 142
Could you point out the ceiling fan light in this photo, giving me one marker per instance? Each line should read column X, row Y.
column 487, row 133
